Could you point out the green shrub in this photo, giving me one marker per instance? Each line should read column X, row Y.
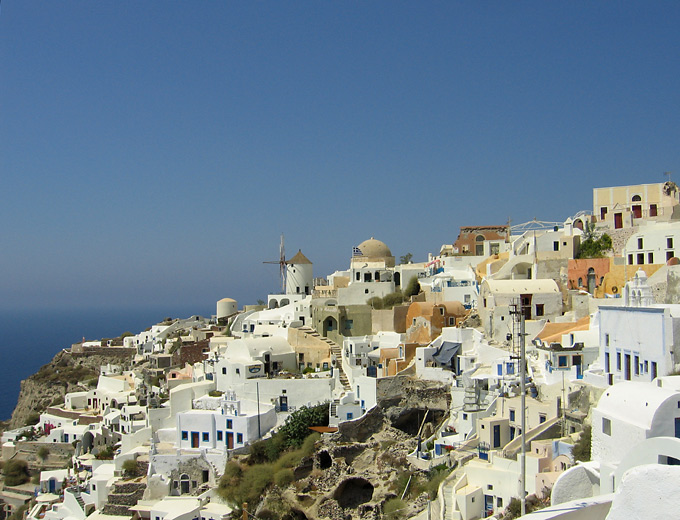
column 16, row 472
column 43, row 453
column 105, row 454
column 394, row 508
column 436, row 476
column 130, row 468
column 392, row 299
column 376, row 302
column 284, row 477
column 19, row 512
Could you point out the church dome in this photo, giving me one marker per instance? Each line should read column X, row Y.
column 373, row 248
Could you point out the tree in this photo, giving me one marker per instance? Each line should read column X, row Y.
column 412, row 288
column 296, row 427
column 405, row 259
column 592, row 245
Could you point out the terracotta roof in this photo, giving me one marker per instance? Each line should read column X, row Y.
column 324, row 429
column 552, row 332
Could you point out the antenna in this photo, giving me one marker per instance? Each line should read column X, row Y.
column 282, row 265
column 669, row 175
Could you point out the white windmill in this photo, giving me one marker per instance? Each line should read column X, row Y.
column 282, row 265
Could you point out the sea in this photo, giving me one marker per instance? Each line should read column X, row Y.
column 30, row 338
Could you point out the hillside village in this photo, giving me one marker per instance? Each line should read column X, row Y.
column 391, row 389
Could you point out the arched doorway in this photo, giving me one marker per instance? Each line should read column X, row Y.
column 330, row 324
column 591, row 280
column 184, row 484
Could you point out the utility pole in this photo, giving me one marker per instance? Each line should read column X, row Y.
column 517, row 313
column 523, row 406
column 259, row 428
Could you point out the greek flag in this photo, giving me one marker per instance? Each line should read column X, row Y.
column 356, row 251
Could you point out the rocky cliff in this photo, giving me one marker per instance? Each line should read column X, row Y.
column 67, row 372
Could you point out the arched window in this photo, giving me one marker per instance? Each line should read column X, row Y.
column 580, row 282
column 637, row 198
column 479, row 238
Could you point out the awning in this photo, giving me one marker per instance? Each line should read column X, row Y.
column 446, row 351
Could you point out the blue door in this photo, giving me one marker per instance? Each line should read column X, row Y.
column 677, row 427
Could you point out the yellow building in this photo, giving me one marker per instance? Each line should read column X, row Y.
column 625, row 206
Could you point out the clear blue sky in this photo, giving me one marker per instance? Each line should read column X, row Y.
column 153, row 152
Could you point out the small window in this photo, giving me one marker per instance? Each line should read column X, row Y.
column 606, row 426
column 349, row 324
column 637, row 365
column 650, row 258
column 512, row 414
column 669, row 242
column 539, row 309
column 640, row 258
column 603, row 213
column 489, row 487
column 630, row 259
column 618, row 361
column 441, row 311
column 238, row 371
column 465, row 417
column 562, row 361
column 239, row 438
column 224, row 370
column 219, row 435
column 452, row 321
column 652, row 210
column 606, row 340
column 556, row 246
column 669, row 255
column 229, row 424
column 640, row 243
column 185, row 436
column 541, row 418
column 206, row 437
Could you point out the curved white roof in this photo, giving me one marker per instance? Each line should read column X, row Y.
column 250, row 348
column 634, row 402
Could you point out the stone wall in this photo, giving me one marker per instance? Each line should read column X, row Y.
column 620, row 237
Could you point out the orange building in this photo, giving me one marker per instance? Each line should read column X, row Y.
column 471, row 239
column 587, row 273
column 425, row 320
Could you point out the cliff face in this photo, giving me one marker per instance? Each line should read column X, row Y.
column 66, row 372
